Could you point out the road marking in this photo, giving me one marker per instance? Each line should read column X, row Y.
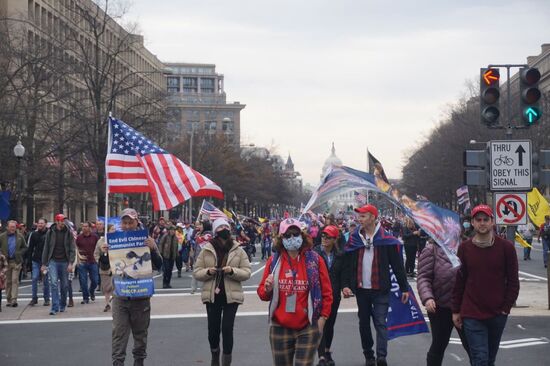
column 532, row 275
column 258, row 271
column 515, row 343
column 154, row 317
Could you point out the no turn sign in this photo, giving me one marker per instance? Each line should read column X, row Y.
column 511, row 208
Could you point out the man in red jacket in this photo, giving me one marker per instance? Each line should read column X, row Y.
column 486, row 287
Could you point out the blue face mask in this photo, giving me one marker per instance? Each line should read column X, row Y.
column 466, row 225
column 294, row 243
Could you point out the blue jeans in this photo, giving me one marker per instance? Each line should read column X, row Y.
column 545, row 248
column 85, row 270
column 484, row 338
column 45, row 282
column 59, row 281
column 527, row 251
column 373, row 303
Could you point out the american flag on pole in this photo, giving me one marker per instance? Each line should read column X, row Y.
column 360, row 197
column 212, row 211
column 135, row 164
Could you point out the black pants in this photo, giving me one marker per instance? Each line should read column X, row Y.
column 216, row 323
column 179, row 263
column 328, row 330
column 168, row 265
column 441, row 323
column 410, row 253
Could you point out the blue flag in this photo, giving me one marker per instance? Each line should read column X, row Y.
column 5, row 208
column 404, row 319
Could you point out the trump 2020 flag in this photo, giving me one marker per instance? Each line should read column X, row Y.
column 135, row 164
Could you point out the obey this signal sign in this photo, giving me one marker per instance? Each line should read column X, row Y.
column 511, row 208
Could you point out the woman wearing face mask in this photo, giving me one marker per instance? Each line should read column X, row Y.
column 297, row 284
column 467, row 229
column 222, row 265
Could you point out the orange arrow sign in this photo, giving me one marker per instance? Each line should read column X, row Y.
column 490, row 75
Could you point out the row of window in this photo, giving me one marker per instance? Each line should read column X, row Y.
column 226, row 126
column 191, row 85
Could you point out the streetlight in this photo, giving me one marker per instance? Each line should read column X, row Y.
column 19, row 152
column 191, row 166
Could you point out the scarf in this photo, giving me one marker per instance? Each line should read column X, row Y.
column 483, row 244
column 381, row 237
column 312, row 270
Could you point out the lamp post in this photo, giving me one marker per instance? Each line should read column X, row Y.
column 19, row 152
column 191, row 166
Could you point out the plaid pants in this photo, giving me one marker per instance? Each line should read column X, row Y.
column 289, row 345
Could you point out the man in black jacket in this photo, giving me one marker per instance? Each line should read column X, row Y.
column 34, row 254
column 370, row 252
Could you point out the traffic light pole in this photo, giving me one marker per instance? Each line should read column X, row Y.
column 509, row 128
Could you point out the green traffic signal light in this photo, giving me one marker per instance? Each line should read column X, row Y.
column 531, row 115
column 530, row 95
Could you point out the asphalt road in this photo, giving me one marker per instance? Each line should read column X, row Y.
column 184, row 342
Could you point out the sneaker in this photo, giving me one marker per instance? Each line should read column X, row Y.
column 381, row 361
column 84, row 302
column 92, row 297
column 14, row 305
column 33, row 302
column 46, row 303
column 61, row 310
column 8, row 304
column 53, row 312
column 107, row 308
column 328, row 357
column 71, row 303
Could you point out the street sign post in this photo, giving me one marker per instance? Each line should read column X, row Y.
column 511, row 208
column 510, row 163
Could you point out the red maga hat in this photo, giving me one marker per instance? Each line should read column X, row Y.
column 368, row 208
column 482, row 208
column 331, row 231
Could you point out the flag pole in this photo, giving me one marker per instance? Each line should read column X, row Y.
column 106, row 224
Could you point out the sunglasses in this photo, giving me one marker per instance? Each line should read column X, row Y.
column 325, row 236
column 288, row 235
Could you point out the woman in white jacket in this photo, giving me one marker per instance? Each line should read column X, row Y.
column 222, row 265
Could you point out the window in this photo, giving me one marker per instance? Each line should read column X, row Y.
column 192, row 125
column 189, row 85
column 173, row 84
column 227, row 126
column 207, row 85
column 210, row 125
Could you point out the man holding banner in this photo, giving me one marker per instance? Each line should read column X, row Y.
column 370, row 252
column 131, row 313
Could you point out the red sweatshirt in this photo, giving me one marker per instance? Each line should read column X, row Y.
column 289, row 284
column 487, row 283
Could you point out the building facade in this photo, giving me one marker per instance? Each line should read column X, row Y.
column 197, row 103
column 79, row 33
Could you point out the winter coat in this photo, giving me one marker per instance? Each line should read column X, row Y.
column 436, row 276
column 20, row 246
column 49, row 245
column 336, row 271
column 3, row 270
column 36, row 245
column 168, row 246
column 236, row 259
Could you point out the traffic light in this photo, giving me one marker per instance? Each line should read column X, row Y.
column 529, row 95
column 489, row 95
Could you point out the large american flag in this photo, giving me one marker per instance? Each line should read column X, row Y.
column 135, row 164
column 212, row 211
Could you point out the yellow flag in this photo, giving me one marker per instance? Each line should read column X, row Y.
column 537, row 207
column 522, row 241
column 228, row 214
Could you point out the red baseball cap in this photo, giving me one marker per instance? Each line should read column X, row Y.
column 331, row 231
column 482, row 208
column 59, row 217
column 368, row 208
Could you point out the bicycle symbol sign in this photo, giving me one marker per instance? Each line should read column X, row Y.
column 510, row 165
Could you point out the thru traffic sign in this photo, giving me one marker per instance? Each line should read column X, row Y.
column 510, row 165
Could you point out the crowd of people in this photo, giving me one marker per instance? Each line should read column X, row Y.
column 310, row 265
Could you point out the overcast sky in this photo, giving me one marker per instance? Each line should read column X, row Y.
column 362, row 73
